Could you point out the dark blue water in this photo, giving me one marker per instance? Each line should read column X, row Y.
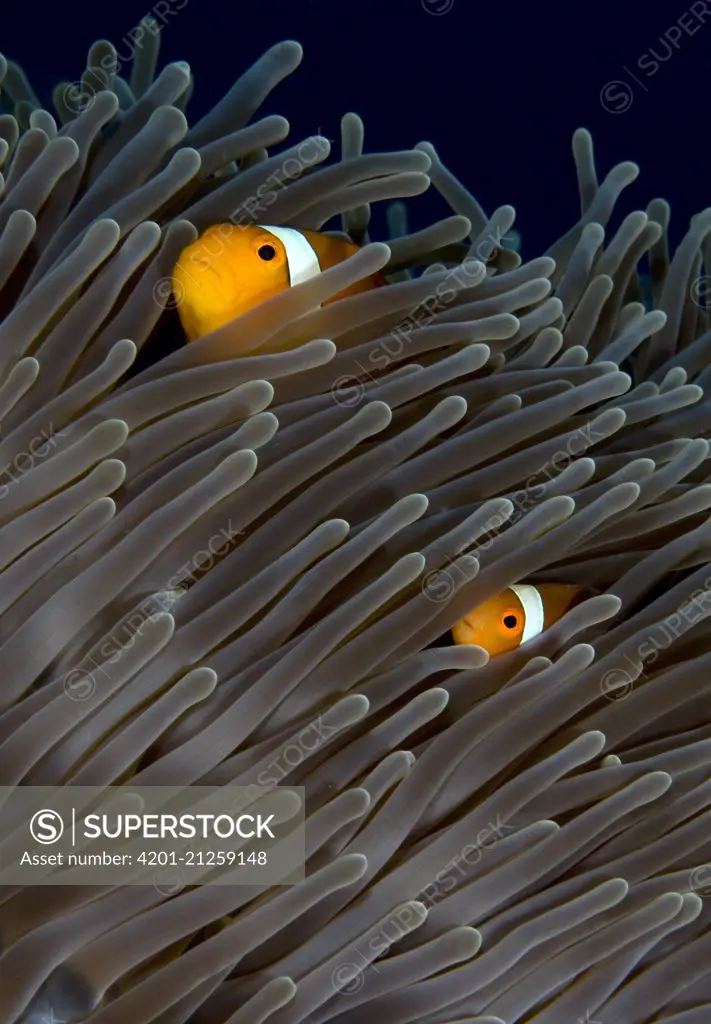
column 497, row 87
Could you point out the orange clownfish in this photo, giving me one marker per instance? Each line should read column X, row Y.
column 516, row 615
column 231, row 268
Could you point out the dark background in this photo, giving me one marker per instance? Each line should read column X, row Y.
column 497, row 87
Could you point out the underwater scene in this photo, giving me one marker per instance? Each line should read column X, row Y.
column 355, row 513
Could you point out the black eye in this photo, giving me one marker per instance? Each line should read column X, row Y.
column 266, row 252
column 510, row 621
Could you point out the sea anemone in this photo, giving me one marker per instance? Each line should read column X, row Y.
column 209, row 556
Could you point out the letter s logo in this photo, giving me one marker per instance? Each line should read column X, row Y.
column 47, row 827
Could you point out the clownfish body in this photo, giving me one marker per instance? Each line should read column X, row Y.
column 516, row 615
column 230, row 269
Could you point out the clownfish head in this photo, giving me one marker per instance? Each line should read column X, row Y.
column 231, row 268
column 516, row 615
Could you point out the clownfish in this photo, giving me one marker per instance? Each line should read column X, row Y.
column 516, row 615
column 231, row 268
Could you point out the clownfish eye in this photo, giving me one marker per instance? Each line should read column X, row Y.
column 266, row 252
column 510, row 621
